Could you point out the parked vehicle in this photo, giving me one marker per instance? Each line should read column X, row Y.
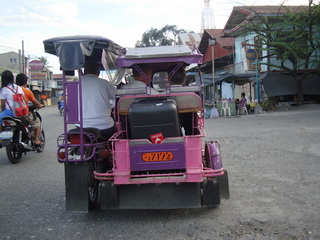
column 18, row 136
column 157, row 158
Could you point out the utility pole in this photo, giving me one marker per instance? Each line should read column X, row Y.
column 20, row 60
column 23, row 59
column 212, row 43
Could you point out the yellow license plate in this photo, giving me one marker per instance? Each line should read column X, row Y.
column 157, row 156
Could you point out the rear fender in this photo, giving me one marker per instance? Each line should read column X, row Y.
column 212, row 157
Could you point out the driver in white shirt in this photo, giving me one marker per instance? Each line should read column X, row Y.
column 98, row 97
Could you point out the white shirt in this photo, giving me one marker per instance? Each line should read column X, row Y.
column 6, row 94
column 98, row 96
column 139, row 84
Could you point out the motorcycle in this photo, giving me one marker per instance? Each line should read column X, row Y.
column 61, row 107
column 18, row 136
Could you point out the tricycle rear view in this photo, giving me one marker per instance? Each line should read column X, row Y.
column 157, row 158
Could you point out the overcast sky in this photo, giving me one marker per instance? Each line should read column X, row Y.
column 123, row 21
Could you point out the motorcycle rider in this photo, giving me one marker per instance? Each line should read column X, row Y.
column 22, row 81
column 6, row 96
column 60, row 102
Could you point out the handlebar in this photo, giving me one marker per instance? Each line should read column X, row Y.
column 32, row 108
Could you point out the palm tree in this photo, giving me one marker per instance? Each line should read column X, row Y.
column 45, row 62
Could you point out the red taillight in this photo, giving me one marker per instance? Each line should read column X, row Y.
column 8, row 123
column 103, row 153
column 62, row 155
column 75, row 139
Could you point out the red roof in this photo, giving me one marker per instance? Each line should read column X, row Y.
column 241, row 14
column 223, row 47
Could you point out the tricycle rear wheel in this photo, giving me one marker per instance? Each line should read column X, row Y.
column 93, row 187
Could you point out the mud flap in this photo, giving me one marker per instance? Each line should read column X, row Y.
column 108, row 196
column 210, row 193
column 76, row 183
column 151, row 196
column 224, row 185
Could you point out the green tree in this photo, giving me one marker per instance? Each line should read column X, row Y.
column 168, row 35
column 291, row 37
column 45, row 62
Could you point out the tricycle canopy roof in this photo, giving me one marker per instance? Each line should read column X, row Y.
column 73, row 51
column 160, row 54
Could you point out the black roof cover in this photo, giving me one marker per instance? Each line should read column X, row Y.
column 73, row 51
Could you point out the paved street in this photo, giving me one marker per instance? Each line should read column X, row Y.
column 273, row 164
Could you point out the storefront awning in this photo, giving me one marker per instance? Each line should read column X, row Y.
column 236, row 78
column 279, row 84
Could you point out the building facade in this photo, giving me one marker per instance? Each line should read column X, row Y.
column 14, row 62
column 252, row 55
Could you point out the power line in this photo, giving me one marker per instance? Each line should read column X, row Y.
column 9, row 47
column 51, row 18
column 46, row 27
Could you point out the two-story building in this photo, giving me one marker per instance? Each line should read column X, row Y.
column 252, row 58
column 14, row 62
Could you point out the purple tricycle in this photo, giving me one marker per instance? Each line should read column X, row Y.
column 157, row 158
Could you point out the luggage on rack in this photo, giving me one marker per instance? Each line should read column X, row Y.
column 154, row 116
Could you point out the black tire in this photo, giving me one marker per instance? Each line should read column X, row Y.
column 93, row 187
column 13, row 152
column 42, row 139
column 61, row 111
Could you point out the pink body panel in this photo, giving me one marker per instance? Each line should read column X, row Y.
column 121, row 169
column 194, row 158
column 194, row 172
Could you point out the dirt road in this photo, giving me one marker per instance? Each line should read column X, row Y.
column 273, row 162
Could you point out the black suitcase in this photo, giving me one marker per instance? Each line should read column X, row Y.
column 150, row 117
